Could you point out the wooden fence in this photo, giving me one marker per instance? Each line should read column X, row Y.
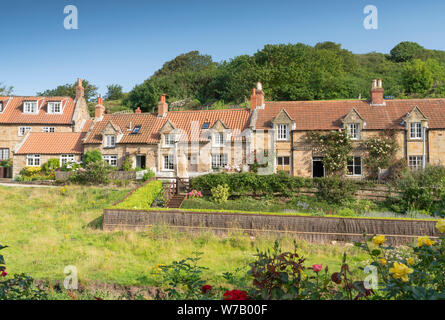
column 315, row 229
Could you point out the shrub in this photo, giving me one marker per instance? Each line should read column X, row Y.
column 93, row 173
column 396, row 170
column 92, row 156
column 30, row 171
column 127, row 165
column 335, row 190
column 148, row 175
column 143, row 197
column 220, row 194
column 346, row 212
column 50, row 166
column 422, row 189
column 6, row 163
column 71, row 166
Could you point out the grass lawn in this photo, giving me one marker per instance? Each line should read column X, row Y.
column 47, row 230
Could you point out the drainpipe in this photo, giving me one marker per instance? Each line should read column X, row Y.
column 424, row 127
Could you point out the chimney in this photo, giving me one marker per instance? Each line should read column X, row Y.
column 257, row 97
column 99, row 110
column 138, row 110
column 80, row 91
column 377, row 93
column 162, row 107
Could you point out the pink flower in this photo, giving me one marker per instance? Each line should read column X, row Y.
column 317, row 267
column 4, row 273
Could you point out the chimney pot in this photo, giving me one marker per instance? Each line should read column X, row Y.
column 138, row 110
column 377, row 93
column 162, row 107
column 99, row 110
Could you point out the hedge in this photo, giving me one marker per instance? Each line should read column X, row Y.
column 330, row 189
column 143, row 197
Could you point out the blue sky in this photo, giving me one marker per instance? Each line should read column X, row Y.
column 124, row 42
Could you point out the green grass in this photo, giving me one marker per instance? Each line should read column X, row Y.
column 46, row 231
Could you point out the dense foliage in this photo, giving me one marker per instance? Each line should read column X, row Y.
column 143, row 197
column 335, row 146
column 69, row 90
column 293, row 72
column 381, row 153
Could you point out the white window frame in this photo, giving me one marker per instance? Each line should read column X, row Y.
column 415, row 162
column 354, row 131
column 23, row 131
column 110, row 141
column 52, row 107
column 282, row 132
column 219, row 139
column 354, row 165
column 415, row 130
column 219, row 160
column 33, row 160
column 30, row 107
column 49, row 129
column 110, row 159
column 1, row 107
column 4, row 154
column 66, row 158
column 168, row 162
column 169, row 140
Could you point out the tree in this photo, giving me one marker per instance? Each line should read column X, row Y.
column 192, row 61
column 114, row 92
column 5, row 90
column 406, row 51
column 92, row 156
column 69, row 90
column 423, row 77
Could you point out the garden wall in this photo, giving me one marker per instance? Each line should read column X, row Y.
column 315, row 229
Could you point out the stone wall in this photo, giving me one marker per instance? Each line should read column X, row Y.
column 316, row 229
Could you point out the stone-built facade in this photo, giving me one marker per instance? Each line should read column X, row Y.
column 281, row 129
column 20, row 116
column 172, row 143
column 189, row 143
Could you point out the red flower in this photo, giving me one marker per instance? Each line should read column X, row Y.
column 235, row 295
column 206, row 288
column 4, row 273
column 317, row 267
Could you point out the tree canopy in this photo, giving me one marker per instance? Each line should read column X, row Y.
column 5, row 90
column 70, row 91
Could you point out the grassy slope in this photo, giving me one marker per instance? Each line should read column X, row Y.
column 47, row 231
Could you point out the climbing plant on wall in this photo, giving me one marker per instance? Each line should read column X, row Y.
column 335, row 146
column 381, row 151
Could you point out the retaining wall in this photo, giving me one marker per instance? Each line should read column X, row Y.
column 315, row 229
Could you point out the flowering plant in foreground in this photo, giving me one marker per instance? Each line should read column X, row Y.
column 194, row 194
column 417, row 277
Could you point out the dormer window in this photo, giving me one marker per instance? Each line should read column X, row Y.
column 219, row 139
column 354, row 131
column 415, row 130
column 54, row 107
column 110, row 141
column 283, row 132
column 30, row 107
column 169, row 140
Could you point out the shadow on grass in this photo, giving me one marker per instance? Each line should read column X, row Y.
column 96, row 223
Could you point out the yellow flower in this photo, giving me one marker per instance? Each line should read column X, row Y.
column 440, row 225
column 158, row 268
column 400, row 271
column 424, row 241
column 382, row 261
column 410, row 261
column 379, row 240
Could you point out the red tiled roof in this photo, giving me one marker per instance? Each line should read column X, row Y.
column 14, row 111
column 327, row 115
column 52, row 143
column 235, row 119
